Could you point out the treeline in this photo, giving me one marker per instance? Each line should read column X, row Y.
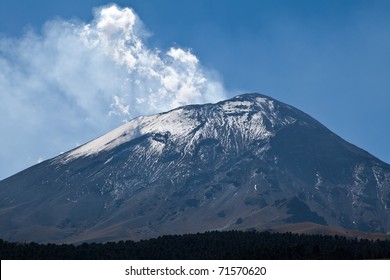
column 209, row 245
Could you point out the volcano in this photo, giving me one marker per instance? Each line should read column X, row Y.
column 246, row 163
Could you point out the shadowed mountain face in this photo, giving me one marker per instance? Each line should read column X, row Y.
column 249, row 162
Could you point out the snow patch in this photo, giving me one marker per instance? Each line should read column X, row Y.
column 107, row 161
column 319, row 181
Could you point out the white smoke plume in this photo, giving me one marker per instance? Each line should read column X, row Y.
column 74, row 81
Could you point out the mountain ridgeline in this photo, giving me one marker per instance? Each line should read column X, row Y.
column 250, row 162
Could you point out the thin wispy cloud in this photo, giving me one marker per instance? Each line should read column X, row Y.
column 74, row 77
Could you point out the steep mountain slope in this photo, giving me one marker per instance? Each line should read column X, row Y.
column 247, row 162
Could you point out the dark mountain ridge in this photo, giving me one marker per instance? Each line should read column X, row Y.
column 249, row 162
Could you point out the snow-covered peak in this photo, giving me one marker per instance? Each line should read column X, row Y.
column 251, row 116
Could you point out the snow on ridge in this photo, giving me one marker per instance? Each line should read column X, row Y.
column 173, row 121
column 181, row 122
column 109, row 140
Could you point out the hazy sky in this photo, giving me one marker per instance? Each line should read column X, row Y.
column 73, row 70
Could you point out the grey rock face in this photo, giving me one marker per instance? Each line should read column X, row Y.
column 249, row 162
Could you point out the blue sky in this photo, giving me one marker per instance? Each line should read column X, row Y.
column 330, row 59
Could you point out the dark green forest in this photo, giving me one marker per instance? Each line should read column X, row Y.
column 210, row 245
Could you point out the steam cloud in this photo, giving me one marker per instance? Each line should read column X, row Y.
column 74, row 77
